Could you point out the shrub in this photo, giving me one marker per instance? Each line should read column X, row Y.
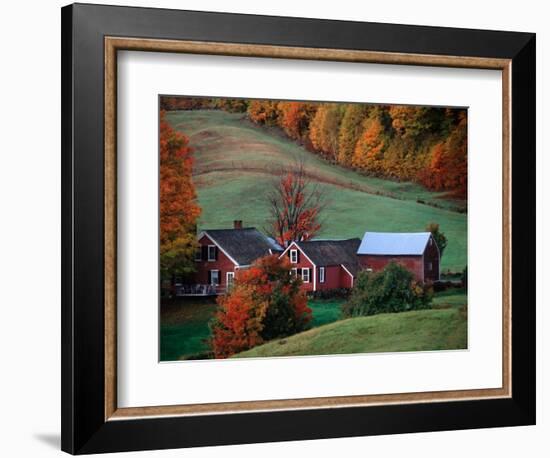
column 335, row 293
column 391, row 290
column 265, row 303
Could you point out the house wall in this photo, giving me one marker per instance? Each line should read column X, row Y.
column 412, row 263
column 332, row 278
column 303, row 262
column 431, row 255
column 222, row 263
column 346, row 281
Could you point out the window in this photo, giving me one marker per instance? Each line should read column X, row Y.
column 211, row 252
column 294, row 272
column 294, row 256
column 214, row 277
column 430, row 241
column 321, row 274
column 198, row 254
column 429, row 266
column 305, row 275
column 229, row 278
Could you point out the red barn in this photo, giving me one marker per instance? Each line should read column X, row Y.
column 417, row 252
column 222, row 253
column 324, row 264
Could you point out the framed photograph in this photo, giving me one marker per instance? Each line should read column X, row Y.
column 282, row 228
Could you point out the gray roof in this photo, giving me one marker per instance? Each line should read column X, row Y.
column 394, row 243
column 332, row 252
column 243, row 245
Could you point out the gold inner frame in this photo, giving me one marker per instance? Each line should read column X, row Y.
column 114, row 44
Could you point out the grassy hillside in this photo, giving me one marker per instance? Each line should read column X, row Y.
column 235, row 160
column 423, row 330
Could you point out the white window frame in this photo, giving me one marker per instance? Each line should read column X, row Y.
column 294, row 272
column 430, row 266
column 321, row 274
column 212, row 277
column 294, row 256
column 209, row 258
column 229, row 275
column 304, row 270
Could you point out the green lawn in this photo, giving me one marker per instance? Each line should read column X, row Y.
column 453, row 297
column 325, row 311
column 184, row 329
column 422, row 330
column 235, row 159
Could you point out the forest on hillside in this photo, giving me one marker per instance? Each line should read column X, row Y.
column 427, row 145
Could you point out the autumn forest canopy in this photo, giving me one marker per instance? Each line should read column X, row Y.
column 427, row 145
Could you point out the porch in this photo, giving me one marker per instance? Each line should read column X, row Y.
column 198, row 290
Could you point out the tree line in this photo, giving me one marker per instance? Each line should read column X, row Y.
column 427, row 145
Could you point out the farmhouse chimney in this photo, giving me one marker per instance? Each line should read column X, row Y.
column 237, row 224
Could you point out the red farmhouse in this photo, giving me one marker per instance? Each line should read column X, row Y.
column 222, row 253
column 417, row 252
column 321, row 264
column 324, row 264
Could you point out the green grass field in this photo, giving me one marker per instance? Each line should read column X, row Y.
column 422, row 330
column 234, row 161
column 184, row 329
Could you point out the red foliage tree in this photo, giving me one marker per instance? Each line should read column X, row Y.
column 178, row 206
column 295, row 206
column 265, row 302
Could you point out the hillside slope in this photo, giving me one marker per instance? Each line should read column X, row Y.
column 422, row 330
column 234, row 160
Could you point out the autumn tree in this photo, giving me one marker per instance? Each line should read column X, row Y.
column 415, row 122
column 439, row 237
column 369, row 149
column 263, row 112
column 324, row 129
column 294, row 118
column 178, row 205
column 295, row 206
column 265, row 303
column 350, row 129
column 447, row 169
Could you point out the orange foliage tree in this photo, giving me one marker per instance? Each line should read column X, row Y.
column 265, row 303
column 295, row 206
column 178, row 206
column 368, row 152
column 294, row 118
column 263, row 112
column 447, row 169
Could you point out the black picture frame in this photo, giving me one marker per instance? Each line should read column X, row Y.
column 84, row 428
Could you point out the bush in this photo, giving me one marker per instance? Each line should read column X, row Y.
column 335, row 293
column 265, row 303
column 391, row 290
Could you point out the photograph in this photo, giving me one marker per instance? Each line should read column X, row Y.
column 297, row 228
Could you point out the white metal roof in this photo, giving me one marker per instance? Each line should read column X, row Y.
column 394, row 243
